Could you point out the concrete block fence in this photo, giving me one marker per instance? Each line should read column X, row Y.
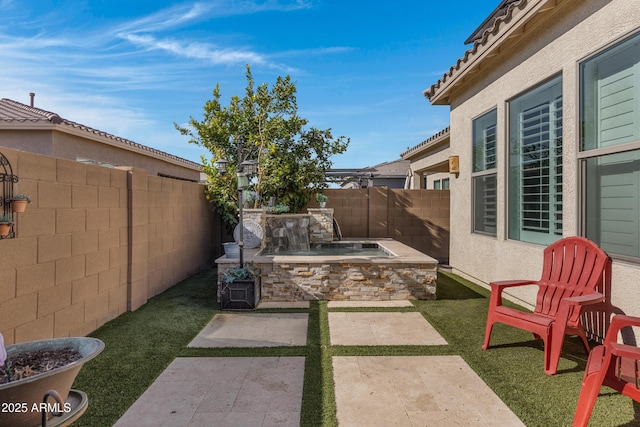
column 94, row 243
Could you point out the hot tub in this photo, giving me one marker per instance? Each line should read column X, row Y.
column 342, row 248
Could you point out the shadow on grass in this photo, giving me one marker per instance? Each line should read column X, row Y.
column 450, row 287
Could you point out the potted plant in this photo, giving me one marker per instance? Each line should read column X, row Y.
column 30, row 370
column 321, row 199
column 5, row 225
column 277, row 209
column 240, row 288
column 19, row 202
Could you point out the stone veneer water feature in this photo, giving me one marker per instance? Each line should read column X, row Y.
column 403, row 273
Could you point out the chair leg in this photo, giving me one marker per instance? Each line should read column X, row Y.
column 587, row 400
column 598, row 366
column 553, row 348
column 487, row 334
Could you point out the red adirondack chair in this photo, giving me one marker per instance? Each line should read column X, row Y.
column 612, row 364
column 574, row 268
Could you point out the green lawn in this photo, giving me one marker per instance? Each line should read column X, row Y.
column 141, row 344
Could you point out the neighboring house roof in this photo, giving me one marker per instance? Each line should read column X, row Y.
column 506, row 24
column 25, row 116
column 395, row 169
column 426, row 144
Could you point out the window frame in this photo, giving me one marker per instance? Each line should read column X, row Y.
column 478, row 173
column 585, row 154
column 527, row 236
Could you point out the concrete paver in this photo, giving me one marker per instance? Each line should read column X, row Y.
column 391, row 303
column 414, row 391
column 254, row 330
column 222, row 391
column 382, row 328
column 282, row 304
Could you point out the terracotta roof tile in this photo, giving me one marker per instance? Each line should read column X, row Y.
column 438, row 136
column 490, row 30
column 13, row 111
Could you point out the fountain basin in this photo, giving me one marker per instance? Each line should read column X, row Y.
column 398, row 272
column 342, row 248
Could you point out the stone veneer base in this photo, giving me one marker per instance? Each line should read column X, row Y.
column 409, row 274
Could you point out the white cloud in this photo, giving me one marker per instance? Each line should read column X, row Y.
column 166, row 19
column 177, row 16
column 196, row 50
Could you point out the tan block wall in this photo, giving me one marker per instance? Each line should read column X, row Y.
column 417, row 218
column 94, row 243
column 172, row 233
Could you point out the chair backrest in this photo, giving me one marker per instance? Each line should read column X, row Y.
column 572, row 266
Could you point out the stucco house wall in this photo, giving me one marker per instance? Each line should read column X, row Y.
column 430, row 158
column 518, row 56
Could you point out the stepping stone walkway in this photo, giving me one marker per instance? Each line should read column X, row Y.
column 382, row 328
column 254, row 330
column 370, row 390
column 221, row 392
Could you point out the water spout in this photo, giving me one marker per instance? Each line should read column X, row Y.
column 287, row 234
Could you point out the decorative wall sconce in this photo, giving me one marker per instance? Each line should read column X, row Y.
column 454, row 164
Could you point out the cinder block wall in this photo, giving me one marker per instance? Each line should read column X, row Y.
column 172, row 233
column 417, row 218
column 94, row 243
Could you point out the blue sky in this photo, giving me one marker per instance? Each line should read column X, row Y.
column 133, row 68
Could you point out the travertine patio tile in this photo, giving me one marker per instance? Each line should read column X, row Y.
column 387, row 304
column 254, row 330
column 382, row 328
column 282, row 304
column 221, row 391
column 408, row 391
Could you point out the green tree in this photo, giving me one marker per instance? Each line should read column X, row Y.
column 292, row 160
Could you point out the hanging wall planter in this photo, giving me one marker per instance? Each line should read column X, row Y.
column 19, row 202
column 7, row 182
column 5, row 225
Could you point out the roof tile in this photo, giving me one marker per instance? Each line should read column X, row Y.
column 13, row 111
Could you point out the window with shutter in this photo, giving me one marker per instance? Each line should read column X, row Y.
column 535, row 164
column 610, row 148
column 484, row 173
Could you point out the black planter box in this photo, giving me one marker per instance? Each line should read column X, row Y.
column 241, row 294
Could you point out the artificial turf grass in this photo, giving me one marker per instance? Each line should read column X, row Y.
column 141, row 344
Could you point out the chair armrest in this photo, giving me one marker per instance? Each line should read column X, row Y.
column 511, row 283
column 498, row 287
column 618, row 322
column 624, row 350
column 588, row 299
